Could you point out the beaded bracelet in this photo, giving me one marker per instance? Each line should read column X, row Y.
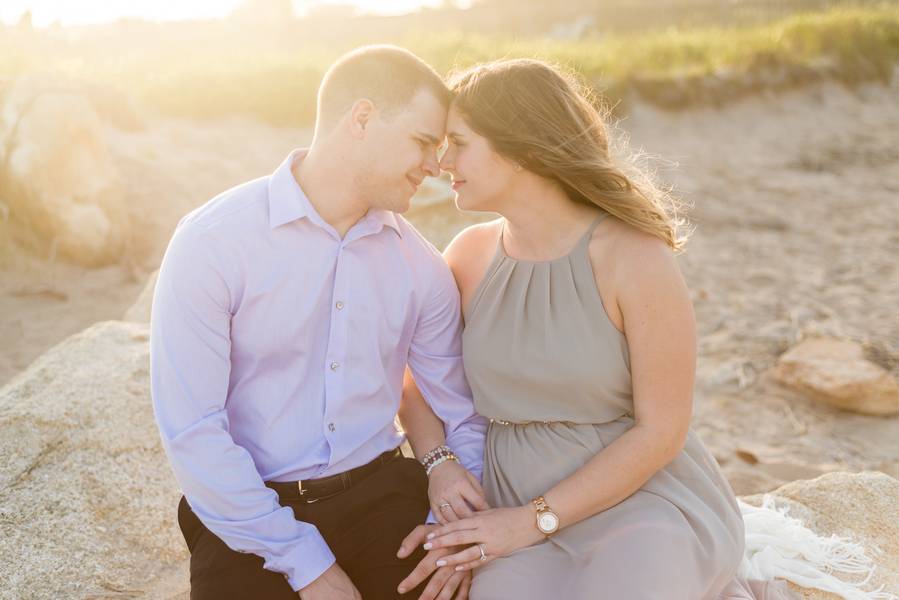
column 433, row 454
column 439, row 461
column 437, row 456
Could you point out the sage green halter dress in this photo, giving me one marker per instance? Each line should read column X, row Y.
column 552, row 372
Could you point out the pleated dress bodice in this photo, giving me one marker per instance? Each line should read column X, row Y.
column 538, row 330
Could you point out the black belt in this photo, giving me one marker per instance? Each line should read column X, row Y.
column 313, row 490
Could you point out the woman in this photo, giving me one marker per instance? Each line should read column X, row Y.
column 579, row 346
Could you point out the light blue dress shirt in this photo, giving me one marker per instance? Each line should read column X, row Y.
column 278, row 351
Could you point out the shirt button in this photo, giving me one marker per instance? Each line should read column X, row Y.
column 339, row 305
column 335, row 366
column 331, row 426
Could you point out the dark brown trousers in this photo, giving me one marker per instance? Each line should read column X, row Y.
column 363, row 526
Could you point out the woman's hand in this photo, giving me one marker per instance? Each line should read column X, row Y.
column 451, row 484
column 497, row 531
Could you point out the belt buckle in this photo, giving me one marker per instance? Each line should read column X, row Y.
column 302, row 493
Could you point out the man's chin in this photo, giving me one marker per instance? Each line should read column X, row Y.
column 402, row 205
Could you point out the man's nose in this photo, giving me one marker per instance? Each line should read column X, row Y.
column 445, row 163
column 431, row 166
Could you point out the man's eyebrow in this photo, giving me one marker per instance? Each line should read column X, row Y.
column 434, row 140
column 454, row 134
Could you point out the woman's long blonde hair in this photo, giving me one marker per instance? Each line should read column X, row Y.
column 544, row 119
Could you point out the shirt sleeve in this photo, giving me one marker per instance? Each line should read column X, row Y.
column 190, row 347
column 435, row 359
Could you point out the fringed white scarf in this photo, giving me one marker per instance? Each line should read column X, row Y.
column 779, row 546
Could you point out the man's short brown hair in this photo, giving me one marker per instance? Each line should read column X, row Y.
column 387, row 75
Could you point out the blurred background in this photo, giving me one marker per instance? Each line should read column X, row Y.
column 777, row 120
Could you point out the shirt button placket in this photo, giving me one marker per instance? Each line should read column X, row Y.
column 336, row 349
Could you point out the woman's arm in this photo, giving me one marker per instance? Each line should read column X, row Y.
column 423, row 429
column 659, row 324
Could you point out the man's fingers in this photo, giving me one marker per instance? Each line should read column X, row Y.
column 436, row 584
column 415, row 538
column 421, row 571
column 449, row 588
column 464, row 587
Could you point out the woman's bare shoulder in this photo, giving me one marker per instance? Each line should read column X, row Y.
column 469, row 253
column 630, row 265
column 473, row 241
column 622, row 249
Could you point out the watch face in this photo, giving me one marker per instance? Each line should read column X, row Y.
column 548, row 522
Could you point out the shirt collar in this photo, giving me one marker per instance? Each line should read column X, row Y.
column 287, row 202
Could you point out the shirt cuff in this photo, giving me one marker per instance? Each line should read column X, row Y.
column 305, row 563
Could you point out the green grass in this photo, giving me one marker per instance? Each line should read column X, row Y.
column 213, row 78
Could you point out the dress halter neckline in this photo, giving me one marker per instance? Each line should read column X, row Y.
column 501, row 250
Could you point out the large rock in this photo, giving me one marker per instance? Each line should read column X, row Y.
column 87, row 498
column 837, row 372
column 57, row 176
column 863, row 507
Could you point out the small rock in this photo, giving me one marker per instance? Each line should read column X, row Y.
column 836, row 372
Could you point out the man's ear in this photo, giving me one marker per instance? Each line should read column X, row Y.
column 360, row 114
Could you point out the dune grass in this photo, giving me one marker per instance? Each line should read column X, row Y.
column 214, row 77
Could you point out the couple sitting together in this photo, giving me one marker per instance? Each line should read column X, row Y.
column 542, row 367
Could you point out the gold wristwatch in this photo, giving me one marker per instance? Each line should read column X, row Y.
column 547, row 520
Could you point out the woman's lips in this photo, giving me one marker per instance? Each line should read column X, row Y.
column 414, row 183
column 458, row 184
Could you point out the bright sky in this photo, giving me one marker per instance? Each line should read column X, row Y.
column 67, row 12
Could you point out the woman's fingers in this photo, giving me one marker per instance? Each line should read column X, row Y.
column 438, row 513
column 460, row 558
column 474, row 496
column 448, row 512
column 473, row 564
column 459, row 506
column 455, row 538
column 472, row 523
column 479, row 491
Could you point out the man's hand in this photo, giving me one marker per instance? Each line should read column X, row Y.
column 333, row 584
column 451, row 489
column 445, row 581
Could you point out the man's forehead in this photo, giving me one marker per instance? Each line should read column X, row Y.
column 427, row 115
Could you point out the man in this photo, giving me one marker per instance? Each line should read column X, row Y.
column 285, row 313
